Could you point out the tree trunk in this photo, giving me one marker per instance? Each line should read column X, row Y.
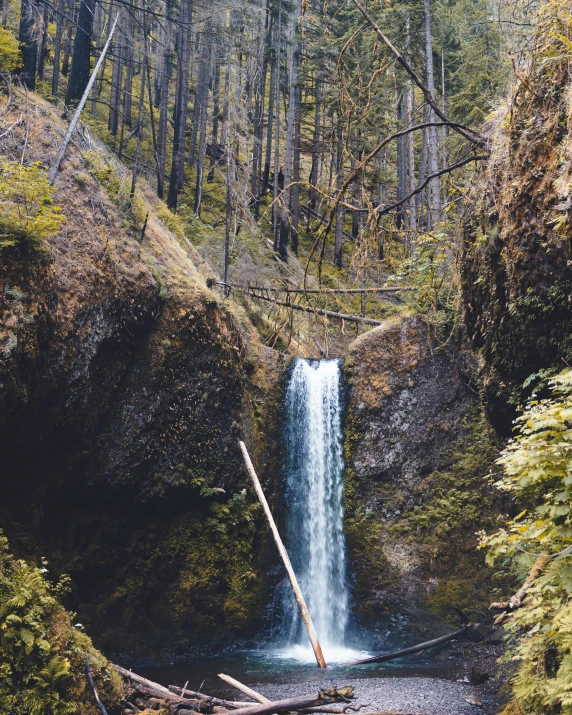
column 60, row 20
column 289, row 149
column 176, row 179
column 433, row 195
column 72, row 11
column 275, row 212
column 164, row 100
column 43, row 44
column 269, row 126
column 81, row 56
column 216, row 108
column 28, row 43
column 315, row 153
column 116, row 82
column 204, row 100
column 296, row 172
column 338, row 247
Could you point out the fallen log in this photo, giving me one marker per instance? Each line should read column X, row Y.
column 228, row 704
column 199, row 706
column 318, row 311
column 301, row 702
column 517, row 600
column 130, row 675
column 244, row 689
column 470, row 629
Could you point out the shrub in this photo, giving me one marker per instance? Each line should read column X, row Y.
column 42, row 655
column 538, row 471
column 27, row 211
column 10, row 56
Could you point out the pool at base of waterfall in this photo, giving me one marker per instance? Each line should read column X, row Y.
column 292, row 665
column 432, row 684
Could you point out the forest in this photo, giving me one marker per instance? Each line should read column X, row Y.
column 285, row 300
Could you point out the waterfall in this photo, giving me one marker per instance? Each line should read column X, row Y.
column 314, row 502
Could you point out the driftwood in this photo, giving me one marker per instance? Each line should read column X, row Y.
column 100, row 705
column 517, row 600
column 301, row 702
column 228, row 704
column 470, row 630
column 244, row 689
column 304, row 612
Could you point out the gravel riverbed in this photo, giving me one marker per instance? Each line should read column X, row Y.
column 426, row 696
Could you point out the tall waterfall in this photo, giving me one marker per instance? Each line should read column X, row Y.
column 314, row 502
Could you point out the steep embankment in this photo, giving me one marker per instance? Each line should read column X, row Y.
column 418, row 449
column 124, row 386
column 517, row 266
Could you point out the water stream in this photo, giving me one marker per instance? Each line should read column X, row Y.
column 314, row 487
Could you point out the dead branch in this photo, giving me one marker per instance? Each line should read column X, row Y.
column 319, row 311
column 466, row 132
column 229, row 704
column 97, row 699
column 244, row 689
column 517, row 600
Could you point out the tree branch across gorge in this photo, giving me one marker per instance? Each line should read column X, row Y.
column 464, row 131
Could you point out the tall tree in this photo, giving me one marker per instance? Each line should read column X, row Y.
column 81, row 56
column 29, row 15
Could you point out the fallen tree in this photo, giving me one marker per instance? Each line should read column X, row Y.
column 467, row 630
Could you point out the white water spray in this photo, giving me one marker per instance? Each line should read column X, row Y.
column 314, row 508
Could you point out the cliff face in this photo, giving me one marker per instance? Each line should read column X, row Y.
column 124, row 387
column 517, row 280
column 417, row 450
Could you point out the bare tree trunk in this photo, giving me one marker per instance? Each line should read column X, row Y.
column 164, row 100
column 338, row 247
column 28, row 43
column 315, row 152
column 143, row 43
column 275, row 212
column 43, row 44
column 401, row 161
column 296, row 172
column 116, row 82
column 269, row 127
column 60, row 13
column 80, row 66
column 72, row 12
column 204, row 100
column 433, row 194
column 289, row 149
column 176, row 179
column 215, row 152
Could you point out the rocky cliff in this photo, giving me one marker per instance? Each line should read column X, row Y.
column 418, row 450
column 517, row 267
column 124, row 386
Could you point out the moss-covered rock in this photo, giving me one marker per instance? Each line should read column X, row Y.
column 125, row 385
column 418, row 450
column 517, row 273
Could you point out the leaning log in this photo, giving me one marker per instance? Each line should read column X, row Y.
column 304, row 612
column 517, row 600
column 301, row 702
column 317, row 311
column 467, row 629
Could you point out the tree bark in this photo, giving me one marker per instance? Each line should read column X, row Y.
column 28, row 43
column 176, row 179
column 339, row 230
column 164, row 100
column 204, row 100
column 60, row 20
column 433, row 192
column 81, row 56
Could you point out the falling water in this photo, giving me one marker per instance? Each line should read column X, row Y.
column 314, row 504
